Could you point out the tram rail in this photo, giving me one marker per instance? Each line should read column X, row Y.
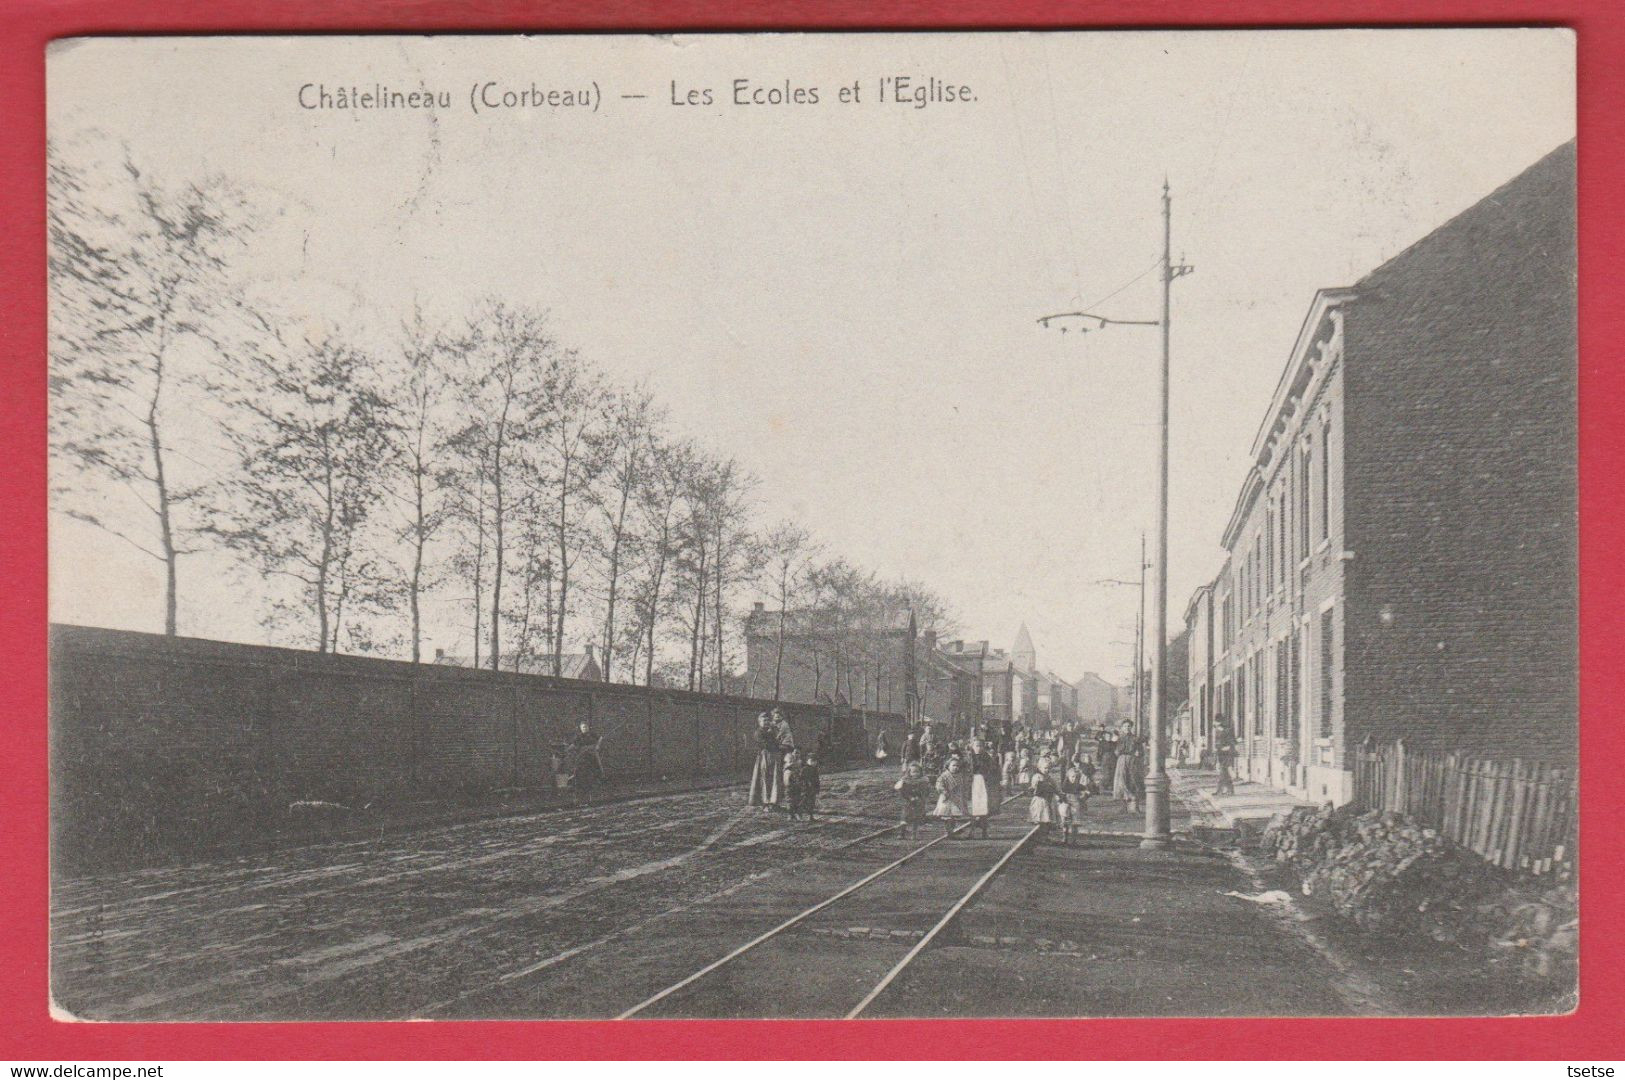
column 878, row 989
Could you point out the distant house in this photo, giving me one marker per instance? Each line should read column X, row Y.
column 1057, row 699
column 1009, row 681
column 950, row 691
column 1096, row 699
column 582, row 665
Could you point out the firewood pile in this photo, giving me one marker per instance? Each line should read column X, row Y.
column 1391, row 875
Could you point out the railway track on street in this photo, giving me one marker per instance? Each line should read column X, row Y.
column 862, row 938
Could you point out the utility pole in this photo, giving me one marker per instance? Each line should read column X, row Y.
column 1158, row 827
column 1139, row 650
column 1158, row 831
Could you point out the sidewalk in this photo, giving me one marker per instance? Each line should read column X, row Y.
column 1251, row 803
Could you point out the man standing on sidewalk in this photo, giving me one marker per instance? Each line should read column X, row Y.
column 1225, row 751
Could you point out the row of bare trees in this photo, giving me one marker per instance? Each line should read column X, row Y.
column 477, row 473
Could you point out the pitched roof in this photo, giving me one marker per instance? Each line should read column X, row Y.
column 818, row 620
column 1528, row 219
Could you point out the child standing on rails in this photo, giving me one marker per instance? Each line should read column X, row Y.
column 805, row 793
column 1074, row 799
column 790, row 783
column 914, row 791
column 953, row 795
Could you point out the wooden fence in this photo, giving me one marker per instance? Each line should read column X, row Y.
column 1517, row 814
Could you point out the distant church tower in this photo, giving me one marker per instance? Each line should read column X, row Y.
column 1024, row 656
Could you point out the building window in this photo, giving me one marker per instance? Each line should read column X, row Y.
column 1280, row 691
column 1305, row 462
column 1325, row 479
column 1326, row 664
column 1258, row 693
column 1252, row 577
column 1280, row 525
column 1269, row 549
column 1240, row 719
column 1294, row 670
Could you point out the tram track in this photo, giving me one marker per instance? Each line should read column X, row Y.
column 774, row 951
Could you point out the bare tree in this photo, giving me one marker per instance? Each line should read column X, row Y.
column 468, row 506
column 659, row 510
column 136, row 269
column 692, row 562
column 507, row 349
column 735, row 554
column 417, row 478
column 564, row 455
column 629, row 451
column 790, row 551
column 310, row 434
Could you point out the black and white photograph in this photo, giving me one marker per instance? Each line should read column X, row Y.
column 820, row 526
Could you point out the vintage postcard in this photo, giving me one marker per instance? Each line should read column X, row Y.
column 818, row 526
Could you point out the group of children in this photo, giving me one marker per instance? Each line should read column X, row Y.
column 972, row 783
column 801, row 784
column 1058, row 802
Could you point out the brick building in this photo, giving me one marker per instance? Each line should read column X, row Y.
column 1402, row 554
column 1057, row 701
column 827, row 660
column 950, row 691
column 1096, row 699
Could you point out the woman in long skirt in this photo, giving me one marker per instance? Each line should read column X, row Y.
column 1135, row 777
column 953, row 795
column 765, row 775
column 1106, row 760
column 1042, row 810
column 786, row 738
column 1120, row 781
column 984, row 786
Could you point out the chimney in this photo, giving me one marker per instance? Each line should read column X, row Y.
column 983, row 644
column 757, row 606
column 439, row 656
column 589, row 652
column 930, row 640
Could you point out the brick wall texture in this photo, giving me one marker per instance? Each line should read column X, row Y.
column 178, row 744
column 1460, row 486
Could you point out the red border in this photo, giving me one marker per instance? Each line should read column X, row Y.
column 27, row 1033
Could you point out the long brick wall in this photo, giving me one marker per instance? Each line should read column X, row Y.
column 164, row 746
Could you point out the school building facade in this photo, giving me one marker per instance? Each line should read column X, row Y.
column 1401, row 560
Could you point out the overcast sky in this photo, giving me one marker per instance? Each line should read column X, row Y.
column 844, row 295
